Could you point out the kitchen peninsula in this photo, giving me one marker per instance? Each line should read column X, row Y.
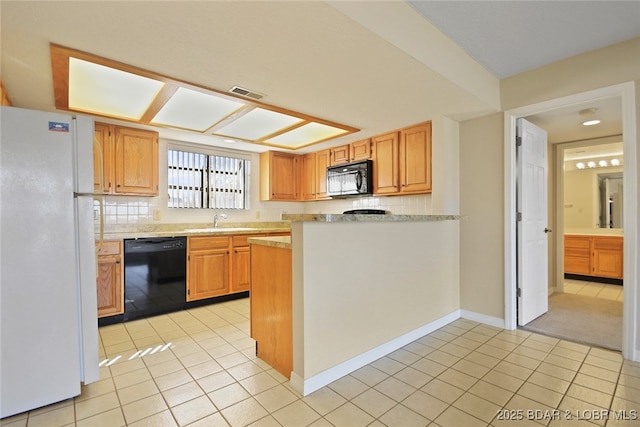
column 366, row 285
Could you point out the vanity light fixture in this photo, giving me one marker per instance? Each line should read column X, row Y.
column 591, row 164
column 580, row 165
column 603, row 163
column 615, row 162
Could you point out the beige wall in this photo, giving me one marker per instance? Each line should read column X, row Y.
column 603, row 67
column 364, row 284
column 482, row 138
column 482, row 205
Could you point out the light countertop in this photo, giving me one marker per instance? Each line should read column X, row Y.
column 172, row 230
column 272, row 241
column 367, row 218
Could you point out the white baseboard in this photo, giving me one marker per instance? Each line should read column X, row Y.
column 483, row 318
column 320, row 380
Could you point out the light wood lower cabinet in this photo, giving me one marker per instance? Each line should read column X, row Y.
column 599, row 256
column 271, row 306
column 110, row 281
column 219, row 265
column 207, row 267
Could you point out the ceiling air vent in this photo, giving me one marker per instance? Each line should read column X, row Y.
column 246, row 92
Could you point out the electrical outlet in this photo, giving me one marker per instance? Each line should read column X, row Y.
column 257, row 214
column 96, row 213
column 157, row 214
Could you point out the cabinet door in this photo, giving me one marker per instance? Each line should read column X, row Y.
column 415, row 159
column 208, row 274
column 309, row 176
column 241, row 277
column 340, row 155
column 136, row 160
column 284, row 176
column 102, row 134
column 608, row 257
column 110, row 280
column 385, row 158
column 322, row 163
column 360, row 150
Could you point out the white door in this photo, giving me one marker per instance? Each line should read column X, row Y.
column 532, row 228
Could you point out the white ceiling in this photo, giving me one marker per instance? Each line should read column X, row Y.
column 371, row 65
column 510, row 37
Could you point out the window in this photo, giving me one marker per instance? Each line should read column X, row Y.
column 198, row 180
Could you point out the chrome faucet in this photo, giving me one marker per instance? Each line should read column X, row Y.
column 217, row 218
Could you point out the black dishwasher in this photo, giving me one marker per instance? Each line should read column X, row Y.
column 154, row 276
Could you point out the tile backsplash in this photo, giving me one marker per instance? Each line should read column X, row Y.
column 121, row 210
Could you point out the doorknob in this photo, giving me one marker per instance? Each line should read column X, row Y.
column 547, row 230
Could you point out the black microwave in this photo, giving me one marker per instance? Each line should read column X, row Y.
column 351, row 179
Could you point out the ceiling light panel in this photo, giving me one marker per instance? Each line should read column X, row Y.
column 103, row 90
column 258, row 124
column 190, row 109
column 306, row 135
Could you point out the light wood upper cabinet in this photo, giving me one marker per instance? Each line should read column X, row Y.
column 599, row 256
column 130, row 160
column 402, row 161
column 136, row 160
column 385, row 163
column 415, row 159
column 314, row 175
column 103, row 159
column 110, row 280
column 340, row 155
column 323, row 159
column 309, row 176
column 359, row 150
column 279, row 176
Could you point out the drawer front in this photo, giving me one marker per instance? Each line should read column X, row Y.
column 608, row 243
column 207, row 242
column 577, row 252
column 577, row 265
column 109, row 247
column 577, row 242
column 242, row 239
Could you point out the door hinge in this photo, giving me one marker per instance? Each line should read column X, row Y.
column 519, row 292
column 518, row 141
column 188, row 291
column 519, row 216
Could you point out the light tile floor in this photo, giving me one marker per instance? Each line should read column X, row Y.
column 198, row 368
column 593, row 289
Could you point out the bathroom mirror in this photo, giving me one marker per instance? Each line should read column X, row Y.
column 610, row 200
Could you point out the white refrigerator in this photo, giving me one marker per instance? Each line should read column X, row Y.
column 48, row 301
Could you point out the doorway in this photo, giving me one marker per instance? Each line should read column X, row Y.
column 626, row 93
column 585, row 302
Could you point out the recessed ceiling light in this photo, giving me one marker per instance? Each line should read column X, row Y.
column 591, row 122
column 229, row 141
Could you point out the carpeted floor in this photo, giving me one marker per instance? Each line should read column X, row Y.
column 592, row 321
